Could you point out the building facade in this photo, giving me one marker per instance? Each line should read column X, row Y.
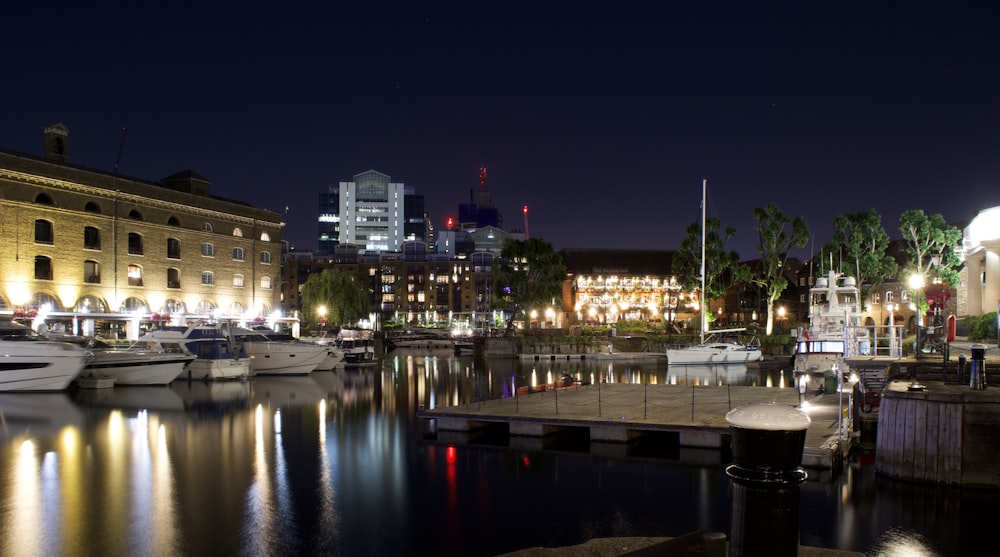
column 371, row 212
column 84, row 241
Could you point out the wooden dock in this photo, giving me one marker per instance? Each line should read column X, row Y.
column 614, row 416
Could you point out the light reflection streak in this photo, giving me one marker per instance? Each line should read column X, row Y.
column 26, row 520
column 259, row 527
column 327, row 515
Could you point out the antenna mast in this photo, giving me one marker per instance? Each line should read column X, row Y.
column 525, row 210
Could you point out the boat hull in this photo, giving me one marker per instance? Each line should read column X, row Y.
column 277, row 358
column 138, row 368
column 219, row 369
column 43, row 366
column 712, row 356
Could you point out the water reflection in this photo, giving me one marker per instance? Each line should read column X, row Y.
column 323, row 464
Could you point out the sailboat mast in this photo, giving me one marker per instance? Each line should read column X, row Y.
column 704, row 188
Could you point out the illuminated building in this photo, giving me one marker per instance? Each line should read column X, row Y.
column 85, row 241
column 371, row 212
column 981, row 275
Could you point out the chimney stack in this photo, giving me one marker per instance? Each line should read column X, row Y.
column 57, row 142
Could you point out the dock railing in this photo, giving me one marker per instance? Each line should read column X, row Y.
column 884, row 341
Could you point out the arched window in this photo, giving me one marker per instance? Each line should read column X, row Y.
column 41, row 300
column 238, row 254
column 236, row 308
column 204, row 308
column 237, row 232
column 43, row 198
column 208, row 278
column 237, row 281
column 208, row 227
column 91, row 304
column 265, row 257
column 133, row 304
column 91, row 272
column 265, row 283
column 134, row 215
column 43, row 232
column 91, row 237
column 173, row 277
column 43, row 268
column 134, row 275
column 92, row 207
column 172, row 221
column 173, row 248
column 134, row 243
column 207, row 249
column 174, row 306
column 265, row 237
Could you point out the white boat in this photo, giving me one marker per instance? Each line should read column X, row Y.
column 334, row 354
column 722, row 346
column 273, row 353
column 358, row 346
column 217, row 355
column 834, row 331
column 137, row 364
column 420, row 341
column 31, row 362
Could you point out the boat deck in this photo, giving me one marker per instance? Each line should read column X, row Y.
column 613, row 415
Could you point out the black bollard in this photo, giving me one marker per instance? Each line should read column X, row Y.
column 977, row 373
column 767, row 443
column 961, row 367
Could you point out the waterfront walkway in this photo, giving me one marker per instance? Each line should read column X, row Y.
column 615, row 414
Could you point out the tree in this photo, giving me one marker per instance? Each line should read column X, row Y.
column 863, row 245
column 775, row 246
column 530, row 275
column 933, row 246
column 339, row 294
column 719, row 263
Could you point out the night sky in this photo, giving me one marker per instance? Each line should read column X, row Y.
column 601, row 117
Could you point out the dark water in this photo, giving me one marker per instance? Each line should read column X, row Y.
column 336, row 463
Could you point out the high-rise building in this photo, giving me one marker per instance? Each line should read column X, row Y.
column 371, row 212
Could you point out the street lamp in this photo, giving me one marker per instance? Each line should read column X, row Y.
column 321, row 311
column 917, row 284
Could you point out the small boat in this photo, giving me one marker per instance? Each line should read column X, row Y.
column 273, row 353
column 334, row 354
column 722, row 346
column 719, row 347
column 31, row 362
column 358, row 346
column 136, row 364
column 217, row 355
column 418, row 340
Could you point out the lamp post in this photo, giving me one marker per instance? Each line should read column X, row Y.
column 917, row 284
column 891, row 308
column 321, row 311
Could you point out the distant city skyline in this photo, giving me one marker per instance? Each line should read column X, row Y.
column 602, row 119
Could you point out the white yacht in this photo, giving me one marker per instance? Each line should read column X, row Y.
column 834, row 332
column 217, row 355
column 31, row 362
column 358, row 346
column 137, row 364
column 273, row 353
column 720, row 347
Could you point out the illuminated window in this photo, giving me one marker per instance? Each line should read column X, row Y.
column 43, row 232
column 238, row 281
column 265, row 237
column 265, row 283
column 91, row 272
column 237, row 232
column 134, row 275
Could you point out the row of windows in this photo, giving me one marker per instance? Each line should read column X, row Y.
column 92, row 274
column 91, row 207
column 92, row 241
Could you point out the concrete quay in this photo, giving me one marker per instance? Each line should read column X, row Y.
column 612, row 416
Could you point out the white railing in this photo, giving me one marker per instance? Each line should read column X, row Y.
column 882, row 341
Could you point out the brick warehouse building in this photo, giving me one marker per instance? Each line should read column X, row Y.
column 84, row 241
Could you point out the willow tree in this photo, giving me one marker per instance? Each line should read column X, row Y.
column 775, row 246
column 341, row 297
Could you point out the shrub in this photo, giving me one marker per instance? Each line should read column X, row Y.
column 982, row 327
